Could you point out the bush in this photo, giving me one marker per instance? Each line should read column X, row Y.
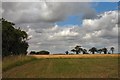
column 32, row 52
column 43, row 52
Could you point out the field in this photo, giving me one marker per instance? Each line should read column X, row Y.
column 61, row 66
column 76, row 56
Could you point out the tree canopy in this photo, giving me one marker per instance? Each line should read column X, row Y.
column 13, row 40
column 77, row 49
column 112, row 49
column 43, row 52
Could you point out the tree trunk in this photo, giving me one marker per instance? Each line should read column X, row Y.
column 76, row 52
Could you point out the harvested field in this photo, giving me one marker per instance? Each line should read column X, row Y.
column 61, row 66
column 76, row 56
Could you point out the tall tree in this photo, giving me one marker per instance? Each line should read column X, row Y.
column 66, row 52
column 93, row 50
column 112, row 49
column 77, row 49
column 105, row 50
column 84, row 51
column 13, row 40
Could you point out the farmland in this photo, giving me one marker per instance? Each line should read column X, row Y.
column 61, row 66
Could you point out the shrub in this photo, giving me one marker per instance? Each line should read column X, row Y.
column 43, row 52
column 32, row 52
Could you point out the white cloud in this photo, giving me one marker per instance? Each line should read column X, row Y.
column 89, row 34
column 27, row 12
column 59, row 39
column 38, row 19
column 65, row 32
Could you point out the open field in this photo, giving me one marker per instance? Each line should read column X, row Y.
column 76, row 56
column 61, row 66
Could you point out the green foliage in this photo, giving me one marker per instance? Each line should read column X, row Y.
column 43, row 52
column 13, row 40
column 104, row 50
column 66, row 52
column 93, row 50
column 112, row 49
column 99, row 51
column 77, row 49
column 84, row 51
column 32, row 52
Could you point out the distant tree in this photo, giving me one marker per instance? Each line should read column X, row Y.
column 37, row 53
column 77, row 49
column 84, row 51
column 93, row 50
column 32, row 52
column 66, row 52
column 73, row 50
column 14, row 41
column 99, row 51
column 43, row 52
column 109, row 53
column 105, row 50
column 112, row 49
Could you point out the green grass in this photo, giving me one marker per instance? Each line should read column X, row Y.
column 64, row 68
column 13, row 61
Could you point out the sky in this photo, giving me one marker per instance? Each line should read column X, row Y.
column 60, row 26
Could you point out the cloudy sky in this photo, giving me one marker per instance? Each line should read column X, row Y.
column 60, row 26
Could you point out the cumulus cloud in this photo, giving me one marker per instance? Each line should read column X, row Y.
column 100, row 32
column 104, row 25
column 38, row 20
column 28, row 12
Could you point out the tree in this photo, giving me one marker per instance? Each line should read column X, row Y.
column 13, row 40
column 32, row 52
column 112, row 49
column 66, row 52
column 105, row 50
column 77, row 49
column 93, row 50
column 73, row 50
column 43, row 52
column 84, row 51
column 99, row 51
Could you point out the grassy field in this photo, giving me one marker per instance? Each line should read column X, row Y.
column 77, row 56
column 105, row 66
column 13, row 61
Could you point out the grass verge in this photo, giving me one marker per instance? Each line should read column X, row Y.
column 13, row 61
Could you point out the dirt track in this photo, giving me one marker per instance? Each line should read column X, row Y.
column 76, row 56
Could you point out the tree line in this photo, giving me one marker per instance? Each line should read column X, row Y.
column 14, row 40
column 78, row 49
column 43, row 52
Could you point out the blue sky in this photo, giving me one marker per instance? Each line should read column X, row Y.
column 105, row 6
column 99, row 7
column 71, row 20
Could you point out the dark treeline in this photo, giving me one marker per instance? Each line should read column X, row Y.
column 93, row 50
column 43, row 52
